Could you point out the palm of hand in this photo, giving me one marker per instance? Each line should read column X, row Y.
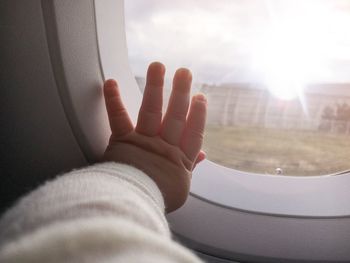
column 166, row 149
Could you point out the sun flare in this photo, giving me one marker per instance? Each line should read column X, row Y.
column 292, row 52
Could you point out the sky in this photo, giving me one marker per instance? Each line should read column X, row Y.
column 242, row 40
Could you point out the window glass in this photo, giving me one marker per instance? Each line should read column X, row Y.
column 276, row 74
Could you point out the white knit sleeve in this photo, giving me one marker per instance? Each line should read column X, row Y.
column 104, row 213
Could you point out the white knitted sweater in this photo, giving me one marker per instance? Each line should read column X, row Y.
column 104, row 213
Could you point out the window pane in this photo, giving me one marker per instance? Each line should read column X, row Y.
column 276, row 74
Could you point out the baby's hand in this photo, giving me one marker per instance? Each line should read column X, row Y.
column 168, row 148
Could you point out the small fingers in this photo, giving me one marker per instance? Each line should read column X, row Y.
column 119, row 120
column 194, row 131
column 150, row 114
column 175, row 117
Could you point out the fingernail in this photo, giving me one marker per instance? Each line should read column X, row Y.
column 110, row 86
column 184, row 73
column 200, row 98
column 159, row 67
column 110, row 83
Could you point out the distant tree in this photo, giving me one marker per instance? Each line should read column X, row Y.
column 328, row 113
column 342, row 112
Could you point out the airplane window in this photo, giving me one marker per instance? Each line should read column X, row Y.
column 276, row 74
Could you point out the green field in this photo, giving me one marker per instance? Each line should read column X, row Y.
column 262, row 150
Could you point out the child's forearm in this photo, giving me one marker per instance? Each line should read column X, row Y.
column 106, row 211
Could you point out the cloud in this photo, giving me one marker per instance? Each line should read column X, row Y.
column 216, row 39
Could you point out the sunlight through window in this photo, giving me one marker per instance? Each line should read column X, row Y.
column 276, row 74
